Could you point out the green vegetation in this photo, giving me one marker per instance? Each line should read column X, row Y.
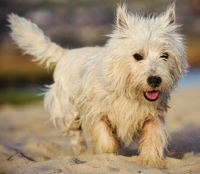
column 19, row 96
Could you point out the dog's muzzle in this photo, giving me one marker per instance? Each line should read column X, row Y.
column 153, row 81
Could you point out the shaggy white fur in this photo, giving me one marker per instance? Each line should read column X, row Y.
column 103, row 96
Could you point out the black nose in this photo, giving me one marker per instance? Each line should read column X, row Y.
column 154, row 81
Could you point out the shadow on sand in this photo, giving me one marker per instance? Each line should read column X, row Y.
column 182, row 142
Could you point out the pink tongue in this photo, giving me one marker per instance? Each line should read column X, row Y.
column 152, row 95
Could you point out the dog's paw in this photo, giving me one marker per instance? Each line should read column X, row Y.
column 78, row 148
column 156, row 163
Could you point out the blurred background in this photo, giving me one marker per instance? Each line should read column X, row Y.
column 78, row 23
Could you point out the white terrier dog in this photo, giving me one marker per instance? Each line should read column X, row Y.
column 104, row 96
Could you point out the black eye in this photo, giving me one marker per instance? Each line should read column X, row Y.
column 164, row 56
column 138, row 57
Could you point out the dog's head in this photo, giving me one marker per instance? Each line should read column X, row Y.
column 145, row 56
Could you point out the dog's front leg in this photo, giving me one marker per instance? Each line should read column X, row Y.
column 104, row 139
column 153, row 143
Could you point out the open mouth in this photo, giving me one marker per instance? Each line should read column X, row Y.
column 151, row 95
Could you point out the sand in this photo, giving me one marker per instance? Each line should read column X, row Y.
column 29, row 143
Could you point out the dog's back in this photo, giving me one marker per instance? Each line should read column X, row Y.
column 67, row 75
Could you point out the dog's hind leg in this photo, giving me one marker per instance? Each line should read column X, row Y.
column 77, row 141
column 104, row 139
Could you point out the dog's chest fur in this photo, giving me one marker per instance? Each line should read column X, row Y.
column 126, row 117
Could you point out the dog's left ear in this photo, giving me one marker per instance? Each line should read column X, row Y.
column 170, row 15
column 122, row 18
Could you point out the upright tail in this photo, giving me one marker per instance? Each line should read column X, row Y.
column 32, row 40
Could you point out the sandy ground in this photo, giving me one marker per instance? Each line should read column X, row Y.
column 29, row 143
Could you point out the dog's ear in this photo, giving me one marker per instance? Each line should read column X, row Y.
column 170, row 15
column 122, row 18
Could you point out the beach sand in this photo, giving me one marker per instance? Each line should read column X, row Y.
column 29, row 143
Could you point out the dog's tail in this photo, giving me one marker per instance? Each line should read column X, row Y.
column 32, row 40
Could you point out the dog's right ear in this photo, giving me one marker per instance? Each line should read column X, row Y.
column 122, row 18
column 169, row 16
